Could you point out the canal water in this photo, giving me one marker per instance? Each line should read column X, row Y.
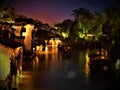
column 51, row 70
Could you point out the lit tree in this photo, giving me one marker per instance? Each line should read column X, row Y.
column 75, row 31
column 84, row 20
column 89, row 23
column 65, row 27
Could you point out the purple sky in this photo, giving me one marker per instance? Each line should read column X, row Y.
column 54, row 11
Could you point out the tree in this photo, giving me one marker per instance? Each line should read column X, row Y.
column 111, row 26
column 97, row 23
column 65, row 27
column 7, row 11
column 84, row 21
column 38, row 24
column 67, row 24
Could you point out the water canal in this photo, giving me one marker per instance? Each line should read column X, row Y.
column 52, row 71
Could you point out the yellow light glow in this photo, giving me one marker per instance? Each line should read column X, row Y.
column 35, row 63
column 87, row 65
column 28, row 28
column 46, row 49
column 46, row 61
column 46, row 42
column 28, row 36
column 90, row 35
column 57, row 42
column 23, row 33
column 65, row 35
column 54, row 42
column 81, row 35
column 39, row 48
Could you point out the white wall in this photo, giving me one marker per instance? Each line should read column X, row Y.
column 28, row 36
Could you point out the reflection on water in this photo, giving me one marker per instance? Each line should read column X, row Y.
column 52, row 59
column 35, row 63
column 103, row 55
column 55, row 72
column 87, row 70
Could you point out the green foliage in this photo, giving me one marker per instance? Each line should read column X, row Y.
column 97, row 24
column 85, row 22
column 65, row 27
column 111, row 26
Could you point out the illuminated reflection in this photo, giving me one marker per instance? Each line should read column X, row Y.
column 27, row 79
column 51, row 48
column 83, row 63
column 50, row 53
column 46, row 49
column 103, row 55
column 54, row 56
column 35, row 63
column 87, row 70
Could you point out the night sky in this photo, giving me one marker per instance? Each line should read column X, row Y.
column 55, row 11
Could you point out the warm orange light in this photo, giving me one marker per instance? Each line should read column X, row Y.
column 28, row 36
column 87, row 65
column 39, row 48
column 46, row 49
column 90, row 35
column 23, row 33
